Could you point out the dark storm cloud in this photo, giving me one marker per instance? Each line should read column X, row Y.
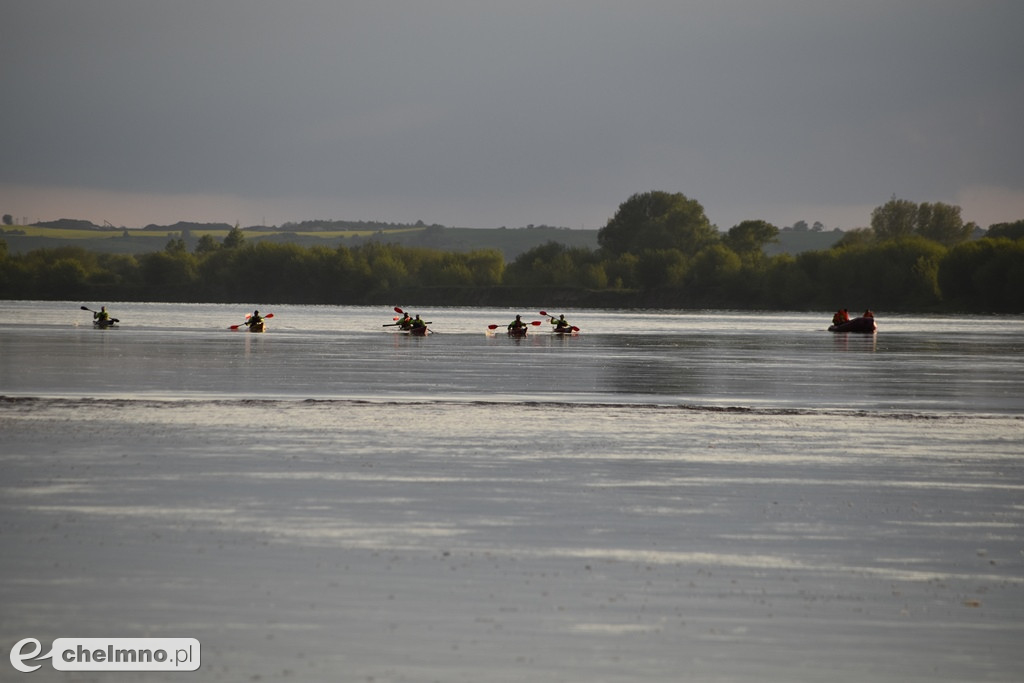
column 477, row 113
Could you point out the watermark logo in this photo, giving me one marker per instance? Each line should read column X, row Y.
column 109, row 654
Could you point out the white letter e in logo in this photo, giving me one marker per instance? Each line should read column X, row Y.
column 18, row 658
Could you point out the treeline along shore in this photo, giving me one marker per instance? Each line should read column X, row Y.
column 658, row 251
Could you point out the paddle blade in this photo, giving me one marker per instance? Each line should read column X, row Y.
column 234, row 327
column 398, row 310
column 85, row 308
column 269, row 315
column 544, row 313
column 575, row 329
column 493, row 327
column 536, row 322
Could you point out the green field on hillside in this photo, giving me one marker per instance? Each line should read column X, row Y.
column 511, row 242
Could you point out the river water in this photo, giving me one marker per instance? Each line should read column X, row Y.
column 705, row 496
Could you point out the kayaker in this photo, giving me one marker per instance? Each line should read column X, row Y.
column 101, row 316
column 416, row 322
column 406, row 322
column 841, row 317
column 516, row 324
column 868, row 314
column 255, row 320
column 560, row 322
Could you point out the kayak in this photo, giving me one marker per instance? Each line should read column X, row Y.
column 104, row 324
column 416, row 331
column 517, row 332
column 563, row 329
column 861, row 324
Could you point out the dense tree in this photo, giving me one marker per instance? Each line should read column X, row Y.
column 487, row 266
column 713, row 274
column 858, row 237
column 176, row 245
column 234, row 238
column 985, row 275
column 942, row 223
column 749, row 238
column 1013, row 231
column 657, row 220
column 659, row 250
column 937, row 221
column 896, row 218
column 550, row 264
column 661, row 268
column 165, row 271
column 206, row 244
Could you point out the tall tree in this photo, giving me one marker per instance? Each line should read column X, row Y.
column 751, row 236
column 942, row 223
column 657, row 220
column 895, row 218
column 234, row 239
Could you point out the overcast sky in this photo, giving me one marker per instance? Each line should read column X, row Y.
column 487, row 114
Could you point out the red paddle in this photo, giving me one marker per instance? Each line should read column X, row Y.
column 247, row 316
column 534, row 322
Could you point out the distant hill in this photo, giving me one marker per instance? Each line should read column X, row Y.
column 510, row 241
column 69, row 224
column 796, row 241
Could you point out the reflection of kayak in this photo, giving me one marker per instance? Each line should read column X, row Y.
column 856, row 325
column 517, row 332
column 258, row 327
column 104, row 324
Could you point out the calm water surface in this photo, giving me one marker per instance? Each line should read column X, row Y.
column 967, row 364
column 714, row 497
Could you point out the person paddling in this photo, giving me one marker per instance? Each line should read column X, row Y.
column 560, row 323
column 255, row 321
column 101, row 316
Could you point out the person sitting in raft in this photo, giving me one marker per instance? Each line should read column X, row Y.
column 868, row 314
column 841, row 316
column 254, row 321
column 416, row 322
column 516, row 324
column 101, row 316
column 406, row 322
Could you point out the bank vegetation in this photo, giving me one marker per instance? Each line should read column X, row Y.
column 658, row 251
